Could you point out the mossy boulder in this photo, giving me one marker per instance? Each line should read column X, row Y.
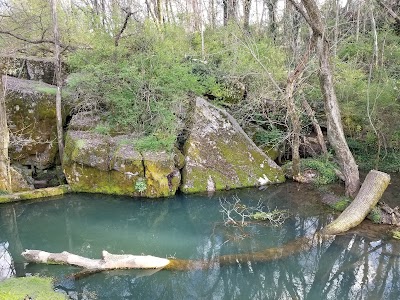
column 32, row 287
column 162, row 177
column 19, row 181
column 98, row 163
column 31, row 111
column 219, row 154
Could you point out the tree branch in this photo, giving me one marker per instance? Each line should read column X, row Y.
column 119, row 34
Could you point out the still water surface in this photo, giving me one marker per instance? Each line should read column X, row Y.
column 361, row 265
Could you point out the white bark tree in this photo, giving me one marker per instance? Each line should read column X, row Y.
column 5, row 178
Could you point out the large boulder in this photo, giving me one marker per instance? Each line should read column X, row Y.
column 219, row 154
column 98, row 163
column 31, row 112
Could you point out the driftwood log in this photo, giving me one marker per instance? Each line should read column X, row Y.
column 371, row 191
column 114, row 261
column 107, row 262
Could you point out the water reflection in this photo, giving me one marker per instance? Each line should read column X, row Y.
column 353, row 266
column 7, row 269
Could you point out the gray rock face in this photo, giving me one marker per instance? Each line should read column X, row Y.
column 219, row 155
column 31, row 68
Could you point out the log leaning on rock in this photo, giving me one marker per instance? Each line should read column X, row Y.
column 371, row 191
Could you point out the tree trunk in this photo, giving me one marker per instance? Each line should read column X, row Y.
column 371, row 191
column 112, row 261
column 334, row 122
column 246, row 14
column 5, row 179
column 107, row 262
column 320, row 136
column 57, row 65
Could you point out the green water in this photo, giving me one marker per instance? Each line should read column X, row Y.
column 362, row 265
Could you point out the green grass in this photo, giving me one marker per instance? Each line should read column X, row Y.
column 38, row 288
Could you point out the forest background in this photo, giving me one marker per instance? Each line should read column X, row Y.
column 137, row 64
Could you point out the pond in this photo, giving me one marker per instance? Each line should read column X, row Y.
column 362, row 264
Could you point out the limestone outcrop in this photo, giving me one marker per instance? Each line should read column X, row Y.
column 98, row 163
column 219, row 155
column 31, row 68
column 32, row 122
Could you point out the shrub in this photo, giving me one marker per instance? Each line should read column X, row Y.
column 141, row 185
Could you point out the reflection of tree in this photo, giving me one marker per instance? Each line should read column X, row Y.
column 7, row 269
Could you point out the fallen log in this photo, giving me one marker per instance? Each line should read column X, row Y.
column 107, row 262
column 114, row 261
column 371, row 191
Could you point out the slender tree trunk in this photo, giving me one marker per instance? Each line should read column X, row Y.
column 336, row 135
column 375, row 33
column 212, row 17
column 358, row 21
column 272, row 7
column 5, row 178
column 246, row 14
column 334, row 122
column 57, row 65
column 320, row 137
column 159, row 12
column 336, row 32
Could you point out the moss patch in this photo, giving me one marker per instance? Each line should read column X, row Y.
column 38, row 288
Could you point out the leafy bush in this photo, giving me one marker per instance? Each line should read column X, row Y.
column 324, row 167
column 141, row 185
column 139, row 86
column 269, row 137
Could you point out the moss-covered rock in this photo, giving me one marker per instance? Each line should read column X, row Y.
column 219, row 155
column 19, row 182
column 29, row 287
column 31, row 114
column 97, row 163
column 36, row 194
column 162, row 177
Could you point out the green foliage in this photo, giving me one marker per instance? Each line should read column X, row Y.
column 324, row 167
column 139, row 86
column 269, row 137
column 36, row 287
column 342, row 204
column 155, row 143
column 141, row 185
column 375, row 215
column 396, row 234
column 103, row 129
column 2, row 192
